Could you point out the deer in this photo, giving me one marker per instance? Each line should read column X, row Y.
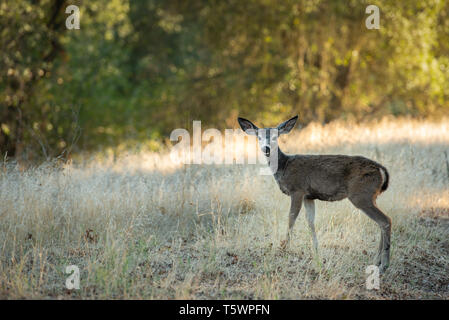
column 306, row 178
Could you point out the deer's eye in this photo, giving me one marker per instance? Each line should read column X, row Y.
column 274, row 138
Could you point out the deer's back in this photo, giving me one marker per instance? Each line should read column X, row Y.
column 329, row 177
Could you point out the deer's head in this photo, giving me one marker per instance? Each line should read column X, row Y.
column 268, row 137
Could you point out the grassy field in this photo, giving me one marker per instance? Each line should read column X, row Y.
column 138, row 226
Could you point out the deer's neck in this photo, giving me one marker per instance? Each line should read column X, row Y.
column 282, row 160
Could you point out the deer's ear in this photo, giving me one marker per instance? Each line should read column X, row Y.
column 287, row 126
column 248, row 126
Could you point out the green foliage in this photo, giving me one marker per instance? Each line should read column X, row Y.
column 29, row 33
column 138, row 69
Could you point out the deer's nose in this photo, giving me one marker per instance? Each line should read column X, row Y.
column 266, row 150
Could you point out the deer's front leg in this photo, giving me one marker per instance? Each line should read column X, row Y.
column 309, row 205
column 295, row 207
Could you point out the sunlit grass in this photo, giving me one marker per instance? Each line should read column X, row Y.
column 139, row 226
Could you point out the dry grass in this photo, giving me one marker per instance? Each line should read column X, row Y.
column 138, row 227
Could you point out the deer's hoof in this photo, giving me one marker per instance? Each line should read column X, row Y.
column 385, row 262
column 383, row 268
column 284, row 244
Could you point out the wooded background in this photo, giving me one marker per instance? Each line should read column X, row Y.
column 138, row 69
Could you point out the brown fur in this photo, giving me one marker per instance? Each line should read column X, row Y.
column 329, row 177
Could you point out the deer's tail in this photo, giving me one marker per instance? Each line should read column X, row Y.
column 385, row 178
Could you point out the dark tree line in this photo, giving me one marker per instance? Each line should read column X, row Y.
column 138, row 69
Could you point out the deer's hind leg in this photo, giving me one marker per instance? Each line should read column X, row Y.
column 378, row 259
column 368, row 206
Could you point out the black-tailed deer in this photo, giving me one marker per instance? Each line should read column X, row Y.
column 306, row 178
